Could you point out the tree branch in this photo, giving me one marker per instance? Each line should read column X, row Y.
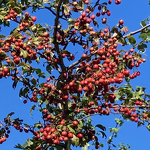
column 137, row 31
column 48, row 8
column 63, row 68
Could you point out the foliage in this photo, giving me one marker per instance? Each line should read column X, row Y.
column 82, row 87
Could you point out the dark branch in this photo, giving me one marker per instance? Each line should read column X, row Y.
column 55, row 38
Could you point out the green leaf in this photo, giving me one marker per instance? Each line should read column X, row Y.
column 122, row 41
column 38, row 59
column 6, row 23
column 114, row 30
column 104, row 3
column 131, row 39
column 104, row 8
column 49, row 69
column 15, row 84
column 115, row 130
column 46, row 1
column 2, row 36
column 101, row 127
column 147, row 95
column 71, row 129
column 75, row 141
column 19, row 146
column 66, row 10
column 143, row 23
column 66, row 1
column 123, row 147
column 7, row 120
column 143, row 36
column 24, row 92
column 71, row 21
column 113, row 145
column 24, row 53
column 26, row 125
column 85, row 146
column 57, row 148
column 38, row 125
column 32, row 108
column 81, row 4
column 39, row 73
column 33, row 81
column 33, row 28
column 103, row 134
column 95, row 23
column 10, row 114
column 148, row 126
column 119, row 121
column 27, row 143
column 101, row 144
column 42, row 29
column 28, row 33
column 141, row 47
column 24, row 2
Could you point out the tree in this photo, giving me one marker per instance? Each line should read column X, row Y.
column 66, row 90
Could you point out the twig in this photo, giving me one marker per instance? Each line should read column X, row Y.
column 48, row 8
column 137, row 31
column 93, row 8
column 112, row 137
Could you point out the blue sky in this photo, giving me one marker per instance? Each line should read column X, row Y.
column 132, row 12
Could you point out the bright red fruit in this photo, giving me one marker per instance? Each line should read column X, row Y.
column 34, row 18
column 75, row 123
column 121, row 22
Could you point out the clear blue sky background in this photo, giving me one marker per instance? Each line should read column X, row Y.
column 132, row 12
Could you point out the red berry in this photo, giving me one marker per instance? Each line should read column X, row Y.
column 145, row 116
column 34, row 18
column 70, row 135
column 121, row 22
column 79, row 135
column 93, row 17
column 75, row 123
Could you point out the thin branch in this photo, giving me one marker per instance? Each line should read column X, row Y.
column 48, row 8
column 109, row 143
column 43, row 56
column 67, row 42
column 93, row 8
column 78, row 61
column 137, row 31
column 97, row 3
column 15, row 21
column 55, row 38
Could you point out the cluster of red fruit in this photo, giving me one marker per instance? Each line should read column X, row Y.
column 105, row 109
column 2, row 139
column 21, row 47
column 12, row 15
column 5, row 131
column 27, row 21
column 131, row 113
column 5, row 134
column 103, row 12
column 49, row 135
column 46, row 87
column 94, row 78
